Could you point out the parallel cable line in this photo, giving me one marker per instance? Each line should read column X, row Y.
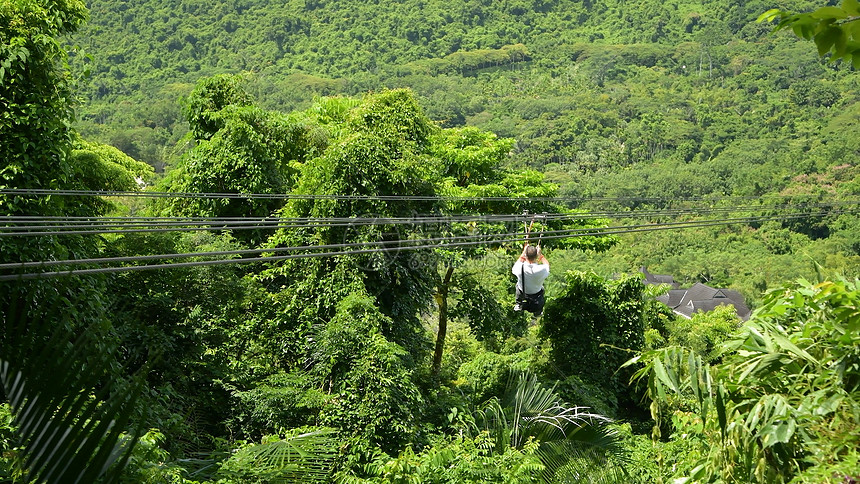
column 264, row 222
column 513, row 237
column 21, row 223
column 133, row 225
column 299, row 196
column 210, row 226
column 252, row 196
column 73, row 219
column 20, row 265
column 299, row 223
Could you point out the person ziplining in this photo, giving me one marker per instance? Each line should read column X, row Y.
column 531, row 269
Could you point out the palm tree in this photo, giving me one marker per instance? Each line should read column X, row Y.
column 575, row 445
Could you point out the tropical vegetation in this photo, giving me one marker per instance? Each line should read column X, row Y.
column 271, row 242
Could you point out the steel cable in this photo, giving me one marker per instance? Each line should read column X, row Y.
column 506, row 238
column 299, row 196
column 34, row 226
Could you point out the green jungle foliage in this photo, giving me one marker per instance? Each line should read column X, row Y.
column 410, row 366
column 608, row 99
column 778, row 404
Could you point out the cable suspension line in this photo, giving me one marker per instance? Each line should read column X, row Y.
column 71, row 219
column 506, row 238
column 299, row 196
column 91, row 229
column 34, row 227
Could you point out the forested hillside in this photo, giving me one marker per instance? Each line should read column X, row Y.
column 569, row 61
column 263, row 242
column 652, row 99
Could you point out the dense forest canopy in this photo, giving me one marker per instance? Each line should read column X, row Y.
column 305, row 272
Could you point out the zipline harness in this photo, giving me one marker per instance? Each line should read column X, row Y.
column 532, row 303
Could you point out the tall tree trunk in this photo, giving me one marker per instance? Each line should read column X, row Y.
column 442, row 302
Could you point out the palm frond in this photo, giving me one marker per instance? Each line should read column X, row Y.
column 70, row 410
column 298, row 457
column 568, row 463
column 530, row 411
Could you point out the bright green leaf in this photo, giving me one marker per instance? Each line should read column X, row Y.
column 778, row 433
column 825, row 40
column 787, row 345
column 829, row 13
column 720, row 406
column 693, row 368
column 770, row 15
column 841, row 41
column 663, row 375
column 854, row 30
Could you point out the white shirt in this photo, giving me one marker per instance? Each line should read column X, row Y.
column 535, row 275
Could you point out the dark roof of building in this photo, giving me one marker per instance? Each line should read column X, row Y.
column 659, row 278
column 701, row 292
column 700, row 297
column 672, row 298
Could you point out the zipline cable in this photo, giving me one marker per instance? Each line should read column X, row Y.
column 37, row 219
column 516, row 238
column 256, row 223
column 299, row 196
column 585, row 230
column 217, row 224
column 108, row 222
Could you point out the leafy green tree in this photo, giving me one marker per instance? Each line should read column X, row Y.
column 69, row 396
column 370, row 389
column 36, row 110
column 239, row 148
column 36, row 101
column 376, row 150
column 487, row 374
column 704, row 333
column 40, row 149
column 594, row 323
column 203, row 321
column 346, row 329
column 472, row 167
column 210, row 96
column 106, row 167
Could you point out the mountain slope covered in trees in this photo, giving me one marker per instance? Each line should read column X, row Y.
column 650, row 99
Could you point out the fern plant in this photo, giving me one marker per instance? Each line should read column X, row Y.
column 298, row 456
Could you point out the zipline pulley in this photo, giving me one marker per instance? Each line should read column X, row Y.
column 527, row 225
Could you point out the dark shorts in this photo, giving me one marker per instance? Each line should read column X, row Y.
column 532, row 303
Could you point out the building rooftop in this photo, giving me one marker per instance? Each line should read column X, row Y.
column 699, row 297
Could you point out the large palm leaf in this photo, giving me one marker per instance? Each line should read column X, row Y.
column 573, row 441
column 298, row 457
column 69, row 409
